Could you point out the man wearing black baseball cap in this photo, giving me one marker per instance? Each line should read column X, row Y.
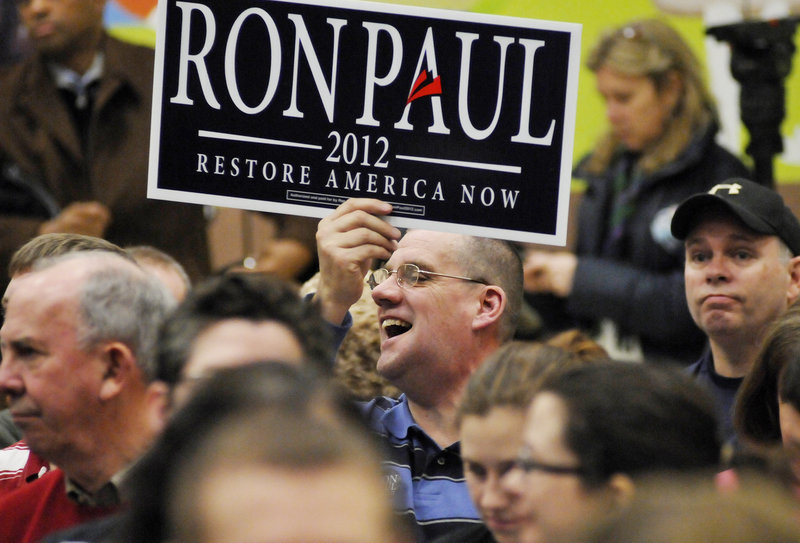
column 742, row 271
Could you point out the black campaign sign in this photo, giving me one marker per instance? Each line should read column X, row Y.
column 464, row 122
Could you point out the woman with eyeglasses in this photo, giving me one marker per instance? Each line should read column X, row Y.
column 626, row 275
column 490, row 421
column 592, row 432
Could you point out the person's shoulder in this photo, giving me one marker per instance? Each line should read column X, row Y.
column 130, row 61
column 726, row 159
column 388, row 416
column 20, row 507
column 119, row 52
column 38, row 490
column 380, row 404
column 12, row 78
column 13, row 457
column 581, row 171
column 701, row 366
column 722, row 162
column 694, row 367
column 115, row 44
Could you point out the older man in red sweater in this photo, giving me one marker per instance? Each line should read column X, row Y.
column 77, row 346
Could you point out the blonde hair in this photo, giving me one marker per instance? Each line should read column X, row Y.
column 653, row 49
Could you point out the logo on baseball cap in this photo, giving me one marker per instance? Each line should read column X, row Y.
column 760, row 208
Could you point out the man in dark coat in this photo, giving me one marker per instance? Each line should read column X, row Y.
column 74, row 140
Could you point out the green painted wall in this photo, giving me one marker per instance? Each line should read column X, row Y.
column 597, row 16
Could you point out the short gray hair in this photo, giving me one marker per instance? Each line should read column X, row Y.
column 118, row 304
column 119, row 301
column 785, row 254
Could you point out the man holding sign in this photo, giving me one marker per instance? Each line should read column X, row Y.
column 445, row 302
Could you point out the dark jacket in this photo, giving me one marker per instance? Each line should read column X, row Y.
column 641, row 287
column 38, row 136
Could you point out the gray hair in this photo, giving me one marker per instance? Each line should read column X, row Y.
column 118, row 301
column 784, row 253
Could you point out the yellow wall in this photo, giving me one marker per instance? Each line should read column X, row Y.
column 595, row 16
column 598, row 15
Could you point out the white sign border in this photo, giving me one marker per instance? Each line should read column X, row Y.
column 570, row 105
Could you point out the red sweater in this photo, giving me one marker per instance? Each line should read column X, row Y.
column 18, row 466
column 42, row 507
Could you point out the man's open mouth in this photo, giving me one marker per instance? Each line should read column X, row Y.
column 395, row 327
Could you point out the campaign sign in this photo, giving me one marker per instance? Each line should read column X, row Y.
column 464, row 122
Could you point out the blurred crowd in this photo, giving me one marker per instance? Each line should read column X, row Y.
column 359, row 383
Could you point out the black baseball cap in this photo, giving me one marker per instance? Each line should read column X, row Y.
column 760, row 208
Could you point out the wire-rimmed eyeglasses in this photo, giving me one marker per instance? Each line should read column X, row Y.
column 527, row 464
column 408, row 275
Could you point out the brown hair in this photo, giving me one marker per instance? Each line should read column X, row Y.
column 635, row 419
column 577, row 342
column 755, row 415
column 511, row 376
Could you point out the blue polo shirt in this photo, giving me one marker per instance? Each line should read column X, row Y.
column 426, row 482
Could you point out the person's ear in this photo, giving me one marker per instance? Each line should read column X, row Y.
column 793, row 292
column 120, row 369
column 491, row 304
